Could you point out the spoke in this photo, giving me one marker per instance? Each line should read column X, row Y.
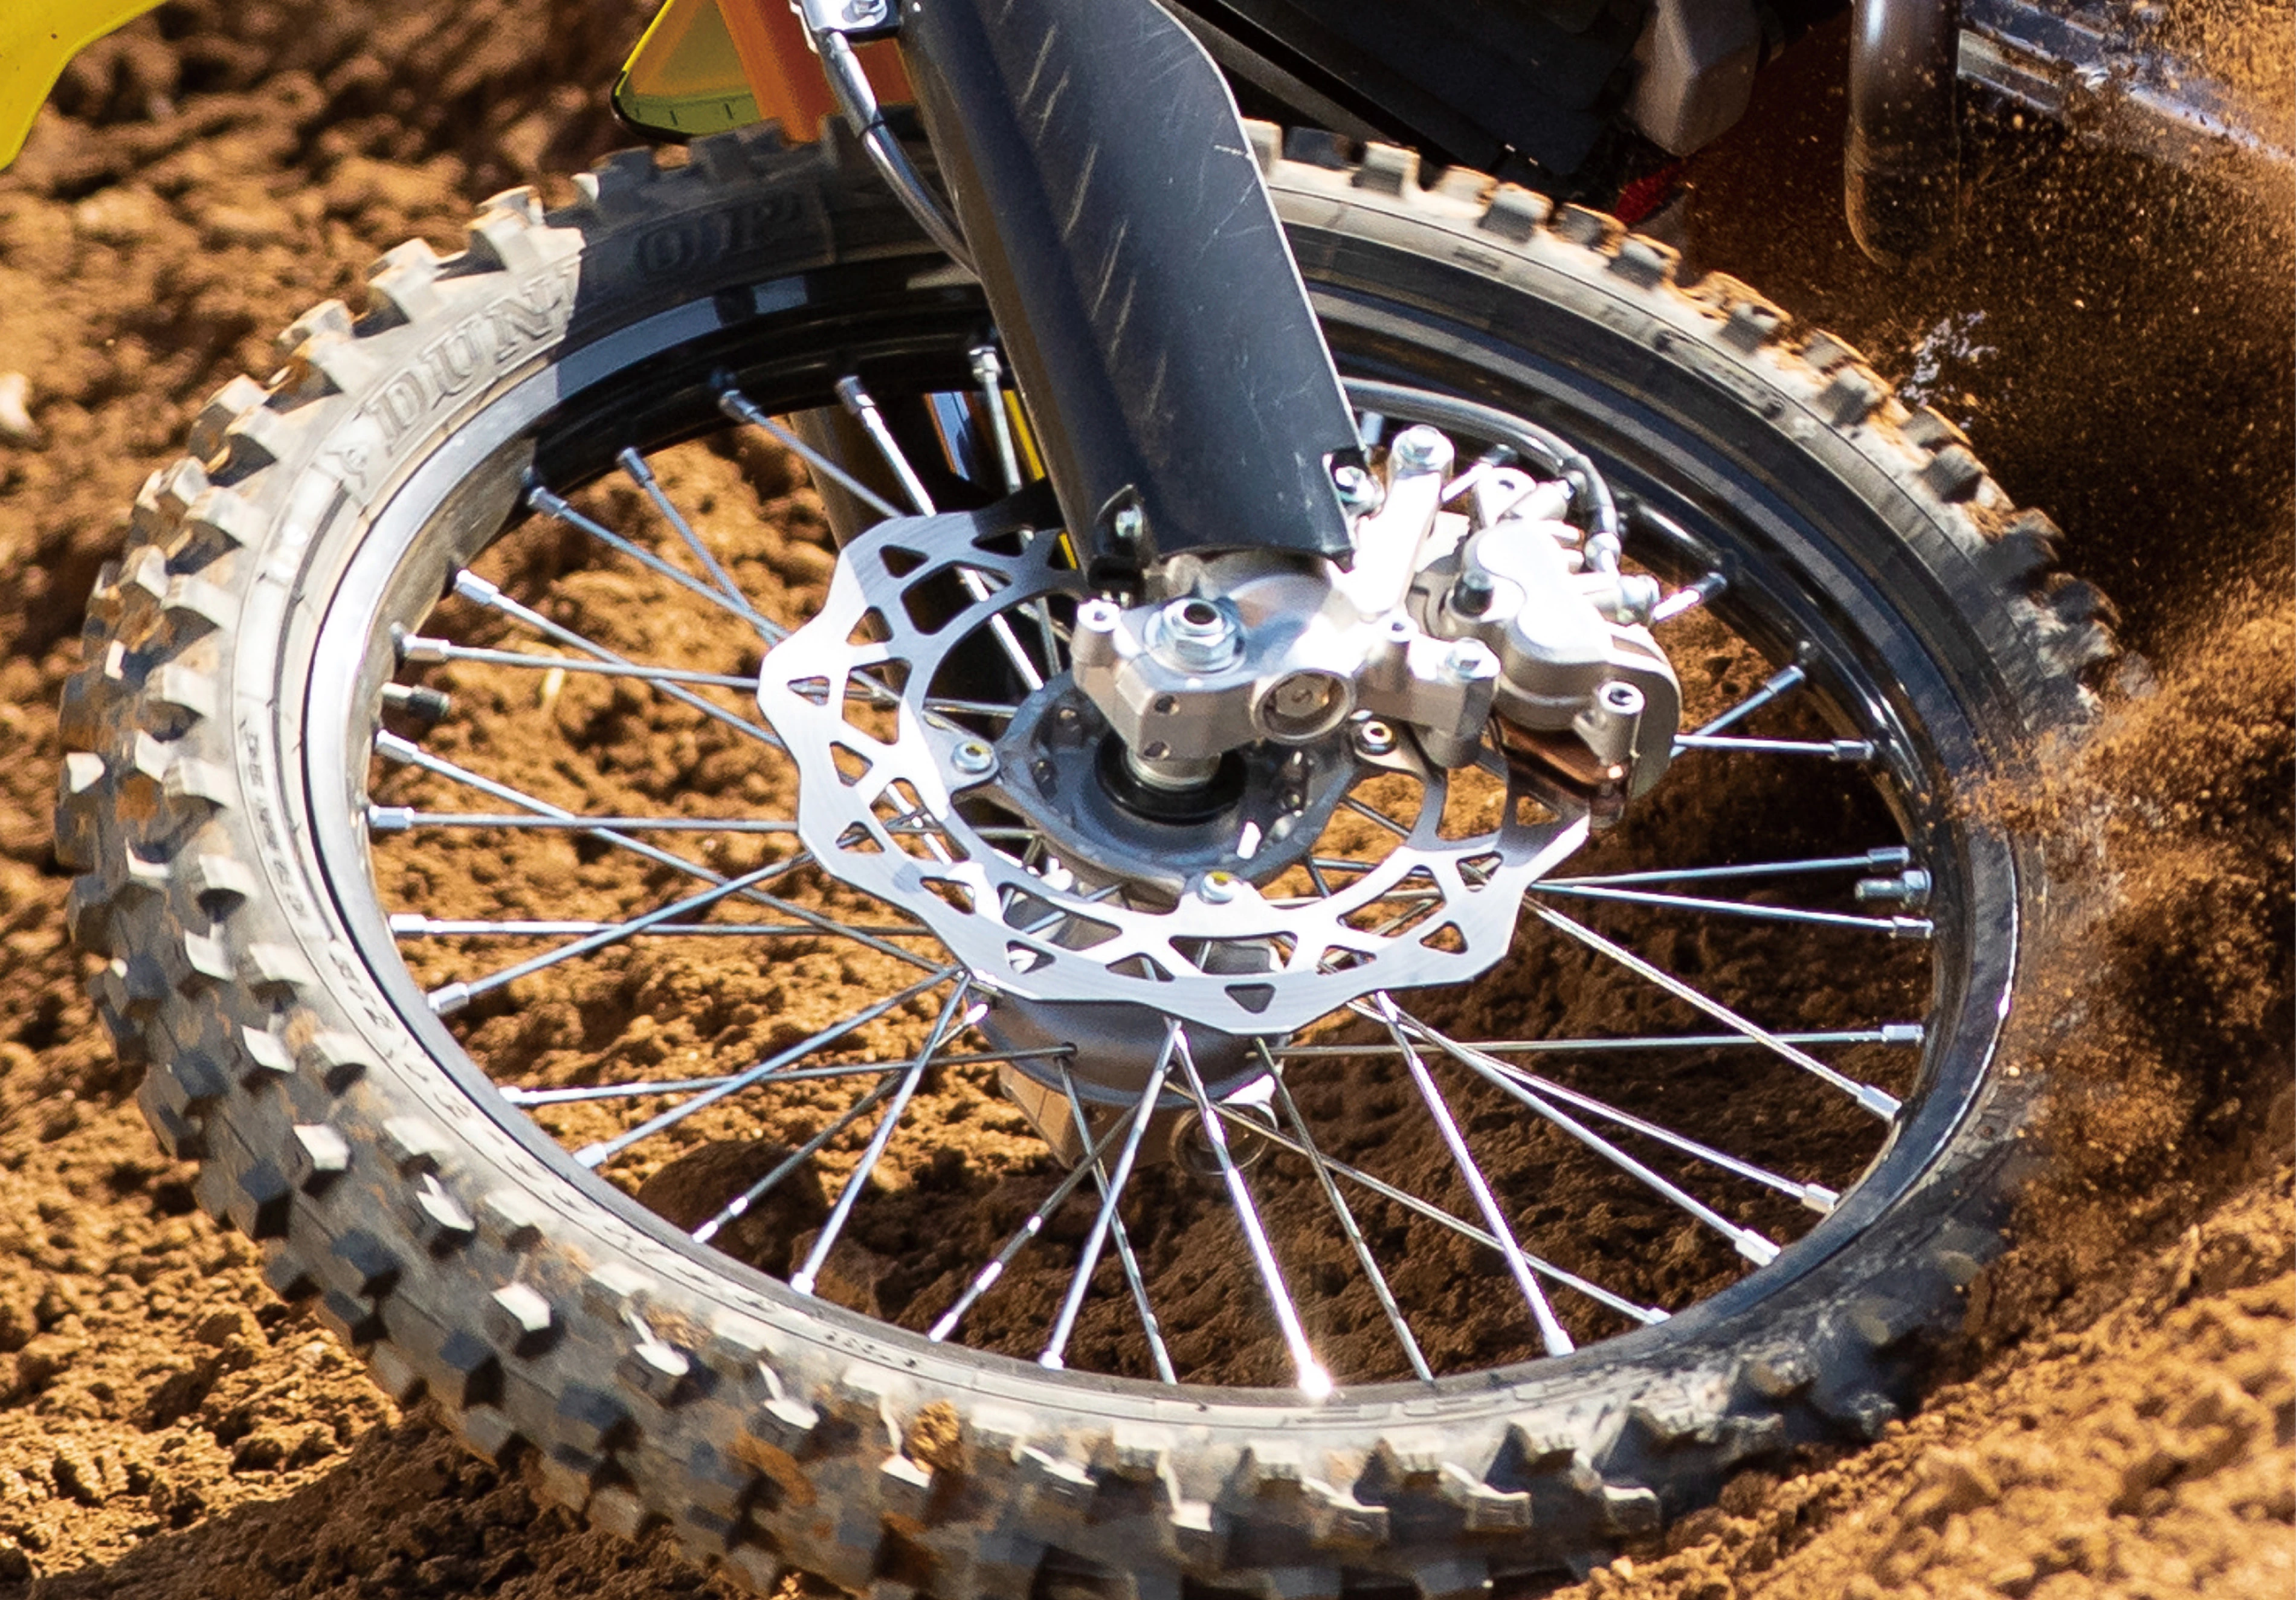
column 1896, row 927
column 970, row 708
column 796, row 1158
column 417, row 650
column 634, row 464
column 1892, row 857
column 1081, row 1281
column 1313, row 1380
column 1689, row 597
column 803, row 1279
column 390, row 747
column 471, row 588
column 989, row 374
column 1817, row 1197
column 1031, row 1226
column 1377, row 816
column 410, row 925
column 1550, row 1331
column 1750, row 1243
column 1887, row 1033
column 864, row 408
column 1457, row 1225
column 1782, row 681
column 451, row 998
column 738, row 405
column 1833, row 749
column 401, row 819
column 1881, row 1103
column 1338, row 1203
column 597, row 1155
column 864, row 411
column 1149, row 1325
column 542, row 500
column 518, row 1095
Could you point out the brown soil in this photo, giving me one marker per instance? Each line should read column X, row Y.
column 2123, row 1423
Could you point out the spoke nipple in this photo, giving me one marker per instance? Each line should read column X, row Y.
column 471, row 587
column 390, row 819
column 1051, row 1362
column 1820, row 1199
column 803, row 1282
column 1880, row 1101
column 1853, row 749
column 1902, row 1033
column 1315, row 1382
column 1756, row 1249
column 449, row 999
column 429, row 705
column 1912, row 927
column 1889, row 858
column 593, row 1155
column 409, row 922
column 390, row 747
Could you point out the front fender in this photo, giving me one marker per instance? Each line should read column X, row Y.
column 36, row 38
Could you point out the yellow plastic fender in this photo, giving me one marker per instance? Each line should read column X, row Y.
column 36, row 38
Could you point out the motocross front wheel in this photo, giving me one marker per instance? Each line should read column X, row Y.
column 450, row 822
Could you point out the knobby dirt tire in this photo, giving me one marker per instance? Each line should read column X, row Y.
column 769, row 1435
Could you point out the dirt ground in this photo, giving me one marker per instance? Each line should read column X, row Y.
column 2116, row 341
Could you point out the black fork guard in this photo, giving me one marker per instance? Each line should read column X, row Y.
column 1148, row 301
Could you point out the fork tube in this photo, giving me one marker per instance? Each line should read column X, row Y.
column 1146, row 297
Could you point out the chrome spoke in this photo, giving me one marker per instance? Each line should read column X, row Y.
column 1149, row 1325
column 419, row 650
column 1031, row 1226
column 1896, row 927
column 451, row 998
column 1088, row 1258
column 804, row 1278
column 1887, row 1033
column 863, row 407
column 1749, row 1243
column 409, row 925
column 518, row 1095
column 1781, row 682
column 1877, row 1100
column 477, row 590
column 1847, row 751
column 1348, row 1225
column 738, row 405
column 1372, row 813
column 402, row 820
column 605, row 1150
column 1313, row 1380
column 1550, row 1331
column 542, row 500
column 641, row 474
column 796, row 1158
column 390, row 747
column 1891, row 857
column 1457, row 1225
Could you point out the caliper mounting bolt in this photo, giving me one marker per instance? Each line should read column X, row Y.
column 1470, row 595
column 1420, row 449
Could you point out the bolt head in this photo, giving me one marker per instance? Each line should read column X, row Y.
column 1470, row 660
column 975, row 758
column 1127, row 524
column 1420, row 449
column 1357, row 490
column 1216, row 888
column 1374, row 738
column 865, row 13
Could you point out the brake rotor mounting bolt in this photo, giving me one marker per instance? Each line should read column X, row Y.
column 1421, row 449
column 975, row 758
column 1374, row 738
column 864, row 13
column 1216, row 888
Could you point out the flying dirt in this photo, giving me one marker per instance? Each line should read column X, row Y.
column 2116, row 339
